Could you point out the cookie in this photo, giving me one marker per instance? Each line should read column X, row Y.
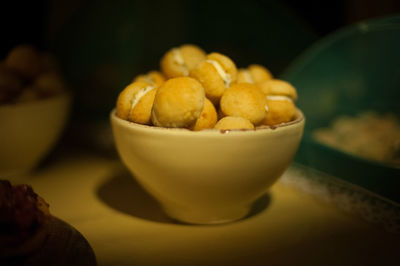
column 278, row 87
column 179, row 61
column 280, row 109
column 253, row 74
column 178, row 103
column 135, row 102
column 244, row 100
column 233, row 122
column 155, row 78
column 28, row 94
column 25, row 60
column 216, row 74
column 48, row 84
column 10, row 84
column 208, row 117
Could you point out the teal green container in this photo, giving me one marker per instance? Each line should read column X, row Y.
column 352, row 70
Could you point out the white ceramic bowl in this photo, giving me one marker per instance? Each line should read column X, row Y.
column 28, row 131
column 207, row 176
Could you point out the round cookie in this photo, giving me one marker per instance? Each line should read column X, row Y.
column 233, row 122
column 278, row 87
column 280, row 109
column 244, row 100
column 135, row 102
column 253, row 74
column 155, row 78
column 10, row 84
column 178, row 103
column 179, row 61
column 25, row 60
column 208, row 117
column 28, row 94
column 216, row 74
column 48, row 84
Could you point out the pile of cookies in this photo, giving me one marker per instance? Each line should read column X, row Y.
column 27, row 74
column 197, row 91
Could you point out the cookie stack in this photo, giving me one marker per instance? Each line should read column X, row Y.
column 28, row 74
column 197, row 91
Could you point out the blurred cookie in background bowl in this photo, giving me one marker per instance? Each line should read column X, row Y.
column 34, row 107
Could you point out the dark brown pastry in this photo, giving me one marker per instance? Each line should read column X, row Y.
column 23, row 218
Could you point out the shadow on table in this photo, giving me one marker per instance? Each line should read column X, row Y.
column 121, row 192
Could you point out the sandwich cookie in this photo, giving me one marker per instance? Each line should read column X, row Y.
column 208, row 117
column 278, row 87
column 179, row 61
column 280, row 109
column 233, row 122
column 135, row 102
column 244, row 100
column 216, row 74
column 254, row 74
column 10, row 84
column 48, row 84
column 25, row 60
column 178, row 103
column 155, row 78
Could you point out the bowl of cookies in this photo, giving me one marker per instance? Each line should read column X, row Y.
column 204, row 138
column 34, row 106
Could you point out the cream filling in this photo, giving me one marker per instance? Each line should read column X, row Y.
column 221, row 72
column 247, row 76
column 177, row 55
column 138, row 96
column 277, row 98
column 148, row 79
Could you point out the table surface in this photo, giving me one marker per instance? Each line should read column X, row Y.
column 125, row 226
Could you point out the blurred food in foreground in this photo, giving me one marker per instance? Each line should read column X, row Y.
column 31, row 235
column 27, row 74
column 23, row 217
column 368, row 134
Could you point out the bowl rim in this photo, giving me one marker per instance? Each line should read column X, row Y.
column 298, row 122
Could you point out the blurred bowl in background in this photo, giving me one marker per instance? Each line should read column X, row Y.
column 29, row 130
column 351, row 71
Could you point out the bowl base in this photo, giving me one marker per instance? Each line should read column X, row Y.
column 207, row 216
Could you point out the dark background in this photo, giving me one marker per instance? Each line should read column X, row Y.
column 103, row 44
column 28, row 21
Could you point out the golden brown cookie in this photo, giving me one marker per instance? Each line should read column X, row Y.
column 24, row 59
column 179, row 61
column 208, row 117
column 216, row 74
column 178, row 103
column 244, row 100
column 253, row 74
column 280, row 109
column 28, row 94
column 155, row 78
column 10, row 84
column 49, row 84
column 234, row 122
column 278, row 87
column 135, row 102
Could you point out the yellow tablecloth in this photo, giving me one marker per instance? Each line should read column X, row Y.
column 125, row 226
